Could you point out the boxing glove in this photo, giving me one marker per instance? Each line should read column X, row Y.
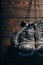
column 24, row 41
column 39, row 37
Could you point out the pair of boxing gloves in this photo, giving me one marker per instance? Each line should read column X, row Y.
column 29, row 39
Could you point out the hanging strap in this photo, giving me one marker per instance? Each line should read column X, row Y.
column 29, row 9
column 40, row 13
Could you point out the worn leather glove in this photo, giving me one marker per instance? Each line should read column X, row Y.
column 24, row 41
column 39, row 37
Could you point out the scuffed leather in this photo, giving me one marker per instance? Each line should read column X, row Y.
column 25, row 41
column 39, row 37
column 29, row 39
